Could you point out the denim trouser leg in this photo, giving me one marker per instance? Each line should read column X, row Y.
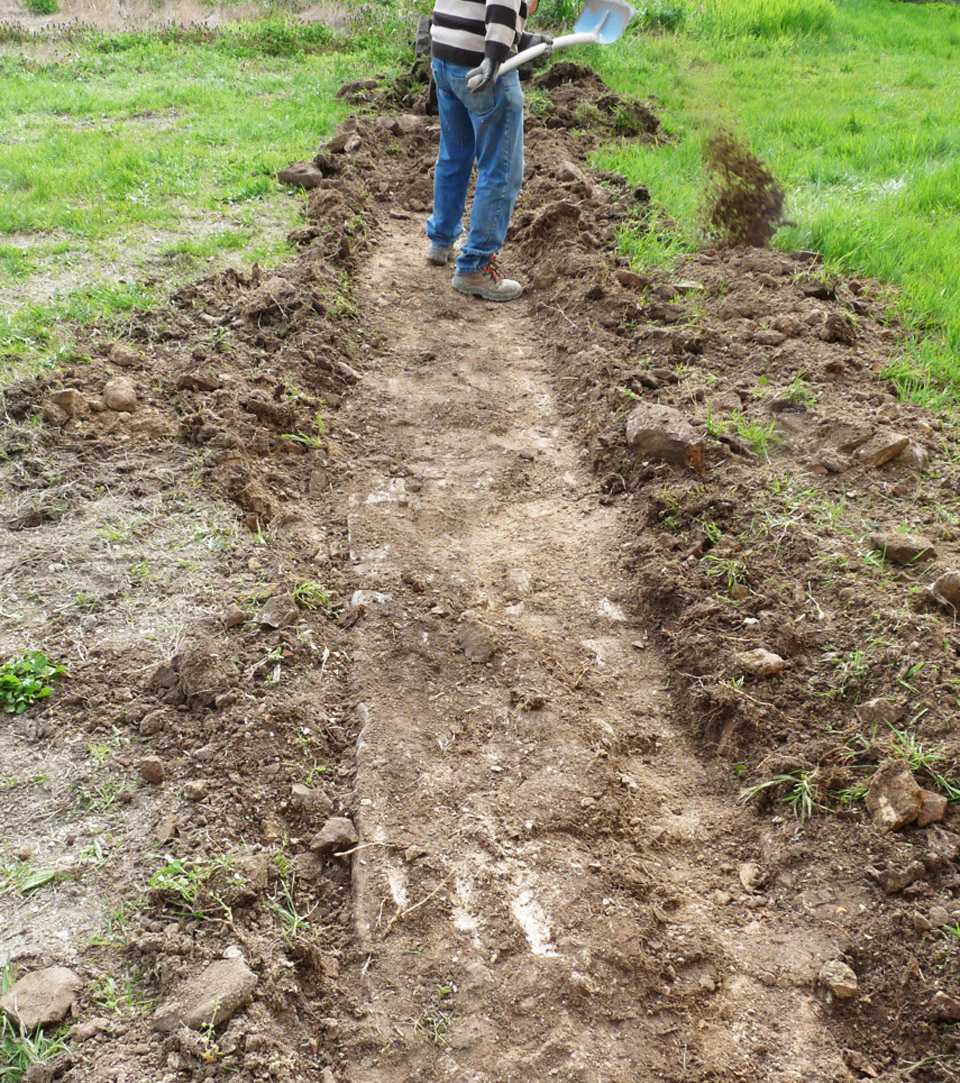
column 488, row 127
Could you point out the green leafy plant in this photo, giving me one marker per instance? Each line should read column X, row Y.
column 311, row 595
column 23, row 681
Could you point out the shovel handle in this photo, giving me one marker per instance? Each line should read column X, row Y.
column 538, row 50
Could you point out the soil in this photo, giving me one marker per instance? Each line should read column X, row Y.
column 367, row 549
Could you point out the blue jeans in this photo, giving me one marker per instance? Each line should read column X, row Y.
column 486, row 128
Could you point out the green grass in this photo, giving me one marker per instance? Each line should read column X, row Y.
column 121, row 147
column 853, row 110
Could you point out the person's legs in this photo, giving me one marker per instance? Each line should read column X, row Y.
column 498, row 134
column 454, row 160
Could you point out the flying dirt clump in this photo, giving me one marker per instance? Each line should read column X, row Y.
column 745, row 202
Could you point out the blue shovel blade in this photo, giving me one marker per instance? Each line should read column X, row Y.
column 606, row 19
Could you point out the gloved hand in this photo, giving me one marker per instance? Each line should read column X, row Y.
column 544, row 39
column 488, row 72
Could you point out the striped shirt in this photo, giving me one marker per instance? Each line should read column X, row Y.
column 465, row 31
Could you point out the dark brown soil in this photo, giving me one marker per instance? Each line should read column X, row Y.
column 130, row 537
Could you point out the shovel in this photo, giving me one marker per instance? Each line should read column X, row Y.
column 601, row 23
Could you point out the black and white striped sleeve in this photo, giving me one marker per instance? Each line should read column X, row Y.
column 502, row 17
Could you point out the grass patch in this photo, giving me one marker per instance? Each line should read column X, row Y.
column 856, row 117
column 119, row 140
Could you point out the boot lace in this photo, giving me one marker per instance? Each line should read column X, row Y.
column 491, row 269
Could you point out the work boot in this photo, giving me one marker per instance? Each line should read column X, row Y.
column 488, row 284
column 439, row 254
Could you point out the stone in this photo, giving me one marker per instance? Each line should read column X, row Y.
column 903, row 548
column 234, row 616
column 921, row 923
column 881, row 448
column 660, row 432
column 41, row 997
column 629, row 279
column 881, row 711
column 120, row 394
column 338, row 833
column 70, row 401
column 279, row 611
column 151, row 770
column 758, row 662
column 125, row 356
column 839, row 979
column 913, row 457
column 837, row 328
column 933, row 810
column 893, row 797
column 195, row 790
column 946, row 589
column 300, row 175
column 209, row 998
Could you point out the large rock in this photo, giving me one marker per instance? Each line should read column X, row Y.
column 661, row 432
column 209, row 998
column 882, row 448
column 903, row 548
column 893, row 798
column 42, row 997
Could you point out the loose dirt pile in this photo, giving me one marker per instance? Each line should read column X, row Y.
column 192, row 524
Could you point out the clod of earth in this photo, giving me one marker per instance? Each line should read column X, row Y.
column 945, row 1008
column 659, row 432
column 837, row 328
column 301, row 175
column 476, row 642
column 903, row 548
column 894, row 799
column 120, row 394
column 209, row 998
column 196, row 789
column 946, row 589
column 880, row 711
column 839, row 979
column 41, row 997
column 309, row 801
column 338, row 833
column 758, row 662
column 151, row 770
column 933, row 810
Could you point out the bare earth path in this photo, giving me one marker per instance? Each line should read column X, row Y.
column 547, row 885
